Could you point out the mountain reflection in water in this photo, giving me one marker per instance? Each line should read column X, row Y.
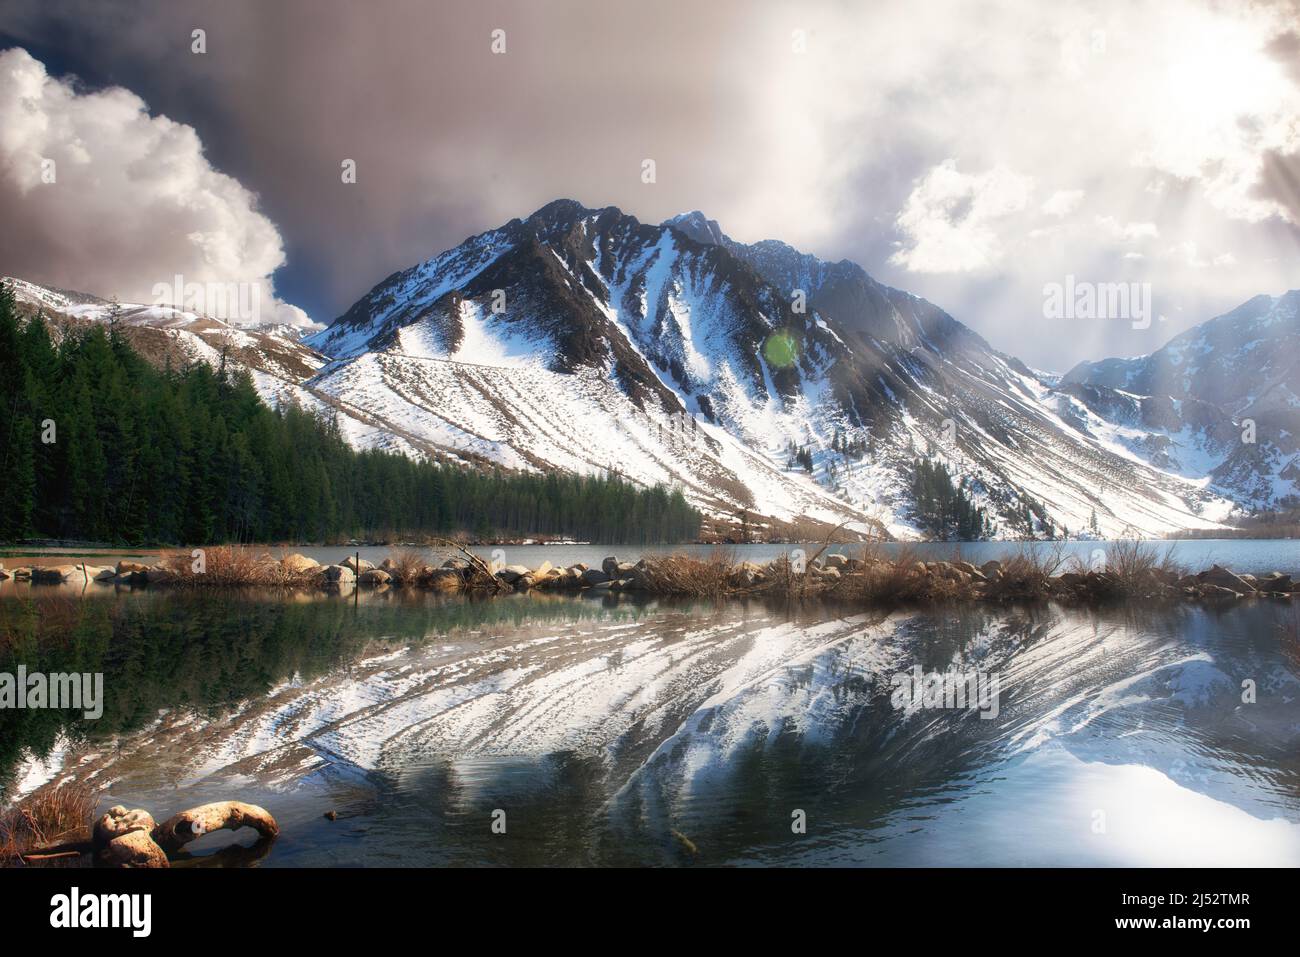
column 611, row 732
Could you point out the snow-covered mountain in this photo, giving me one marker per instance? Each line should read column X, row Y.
column 1193, row 406
column 583, row 339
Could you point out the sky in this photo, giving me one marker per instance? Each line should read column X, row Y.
column 975, row 154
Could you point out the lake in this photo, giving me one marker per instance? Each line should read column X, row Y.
column 561, row 729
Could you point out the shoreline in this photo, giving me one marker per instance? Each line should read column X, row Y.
column 1134, row 570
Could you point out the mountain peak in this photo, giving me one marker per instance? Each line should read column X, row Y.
column 695, row 225
column 654, row 348
column 560, row 211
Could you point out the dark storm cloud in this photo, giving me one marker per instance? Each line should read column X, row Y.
column 448, row 138
column 1285, row 48
column 965, row 153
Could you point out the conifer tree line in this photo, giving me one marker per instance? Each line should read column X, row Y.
column 98, row 445
column 856, row 448
column 799, row 455
column 944, row 510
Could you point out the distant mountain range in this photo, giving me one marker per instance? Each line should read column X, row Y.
column 582, row 339
column 1186, row 407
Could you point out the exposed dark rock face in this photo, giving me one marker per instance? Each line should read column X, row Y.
column 778, row 348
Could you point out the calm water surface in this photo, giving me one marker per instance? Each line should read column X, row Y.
column 1254, row 556
column 612, row 732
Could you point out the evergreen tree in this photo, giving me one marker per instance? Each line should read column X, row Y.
column 944, row 510
column 193, row 456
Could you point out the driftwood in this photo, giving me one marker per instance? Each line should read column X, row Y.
column 175, row 832
column 480, row 566
column 123, row 838
column 827, row 543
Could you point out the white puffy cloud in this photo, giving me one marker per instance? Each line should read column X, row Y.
column 951, row 218
column 1063, row 202
column 1148, row 140
column 103, row 198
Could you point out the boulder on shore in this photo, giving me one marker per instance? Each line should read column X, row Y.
column 1223, row 578
column 125, row 567
column 638, row 579
column 297, row 564
column 357, row 567
column 512, row 573
column 1274, row 582
column 594, row 576
column 562, row 578
column 338, row 575
column 54, row 574
column 375, row 576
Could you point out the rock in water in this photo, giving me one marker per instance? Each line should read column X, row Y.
column 54, row 574
column 512, row 573
column 297, row 564
column 1222, row 577
column 338, row 575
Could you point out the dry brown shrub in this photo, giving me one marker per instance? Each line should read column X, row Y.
column 408, row 565
column 1138, row 565
column 50, row 817
column 1026, row 576
column 227, row 565
column 689, row 575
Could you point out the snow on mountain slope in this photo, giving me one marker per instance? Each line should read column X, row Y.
column 584, row 340
column 164, row 331
column 1191, row 406
column 527, row 416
